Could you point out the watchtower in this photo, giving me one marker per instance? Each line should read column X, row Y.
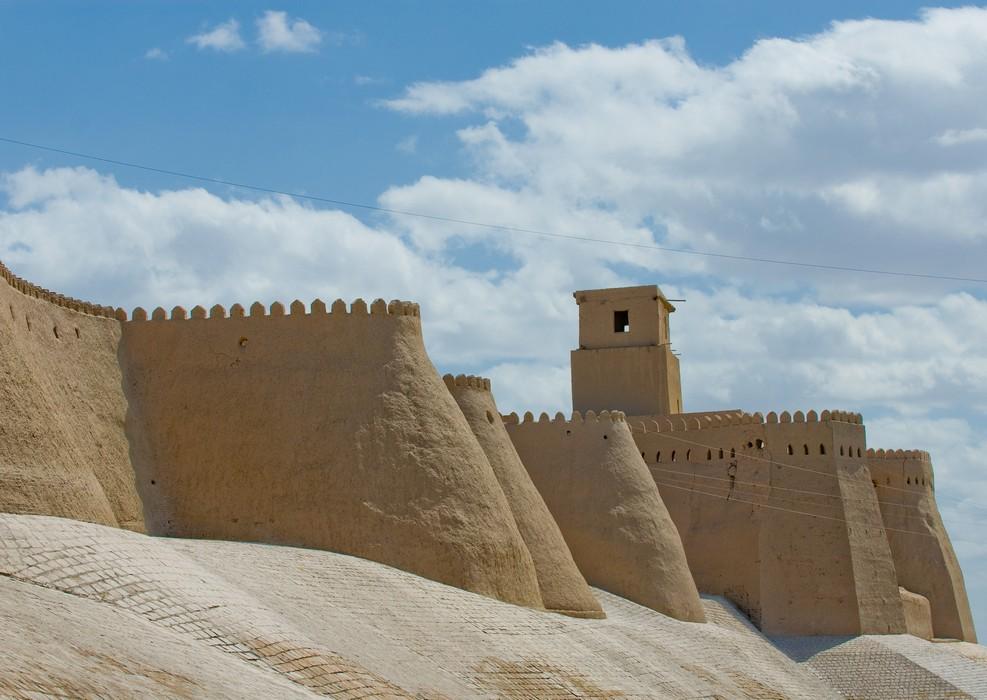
column 625, row 361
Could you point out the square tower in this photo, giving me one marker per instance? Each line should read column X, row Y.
column 625, row 361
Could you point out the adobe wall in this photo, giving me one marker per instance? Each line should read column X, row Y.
column 918, row 614
column 923, row 554
column 779, row 515
column 62, row 446
column 598, row 489
column 563, row 588
column 329, row 430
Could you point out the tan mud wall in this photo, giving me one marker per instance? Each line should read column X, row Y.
column 592, row 478
column 323, row 430
column 923, row 554
column 63, row 450
column 563, row 588
column 795, row 540
column 918, row 614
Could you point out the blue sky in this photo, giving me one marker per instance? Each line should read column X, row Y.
column 837, row 133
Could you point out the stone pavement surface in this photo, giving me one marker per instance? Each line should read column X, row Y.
column 91, row 611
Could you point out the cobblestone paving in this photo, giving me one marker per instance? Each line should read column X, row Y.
column 148, row 577
column 888, row 667
column 349, row 628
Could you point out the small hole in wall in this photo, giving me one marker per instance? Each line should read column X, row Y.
column 243, row 342
column 568, row 432
column 77, row 334
column 604, row 436
column 750, row 445
column 490, row 417
column 153, row 482
column 760, row 443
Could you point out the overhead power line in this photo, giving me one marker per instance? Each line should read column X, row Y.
column 496, row 227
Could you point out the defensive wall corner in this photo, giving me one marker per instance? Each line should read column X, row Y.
column 38, row 292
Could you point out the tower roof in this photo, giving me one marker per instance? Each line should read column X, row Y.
column 616, row 293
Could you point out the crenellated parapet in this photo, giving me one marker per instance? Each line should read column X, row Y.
column 577, row 418
column 297, row 308
column 918, row 455
column 667, row 424
column 33, row 290
column 464, row 381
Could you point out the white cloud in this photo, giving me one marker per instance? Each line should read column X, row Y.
column 955, row 137
column 364, row 80
column 408, row 145
column 278, row 32
column 156, row 54
column 223, row 37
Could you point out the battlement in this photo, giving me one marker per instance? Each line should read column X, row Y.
column 919, row 455
column 359, row 307
column 560, row 419
column 674, row 423
column 463, row 381
column 32, row 290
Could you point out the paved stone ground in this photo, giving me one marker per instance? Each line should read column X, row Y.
column 893, row 666
column 185, row 618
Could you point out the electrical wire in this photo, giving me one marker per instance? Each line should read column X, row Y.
column 498, row 227
column 675, row 436
column 794, row 512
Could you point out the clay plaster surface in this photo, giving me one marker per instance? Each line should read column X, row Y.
column 326, row 430
column 562, row 586
column 923, row 554
column 794, row 539
column 608, row 508
column 125, row 613
column 62, row 447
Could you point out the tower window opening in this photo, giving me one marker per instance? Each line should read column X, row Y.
column 790, row 450
column 733, row 453
column 822, row 449
column 709, row 455
column 721, row 453
column 759, row 443
column 858, row 451
column 621, row 321
column 841, row 450
column 805, row 448
column 673, row 455
column 688, row 455
column 658, row 456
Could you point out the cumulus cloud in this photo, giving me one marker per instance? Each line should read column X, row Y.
column 278, row 32
column 796, row 150
column 223, row 37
